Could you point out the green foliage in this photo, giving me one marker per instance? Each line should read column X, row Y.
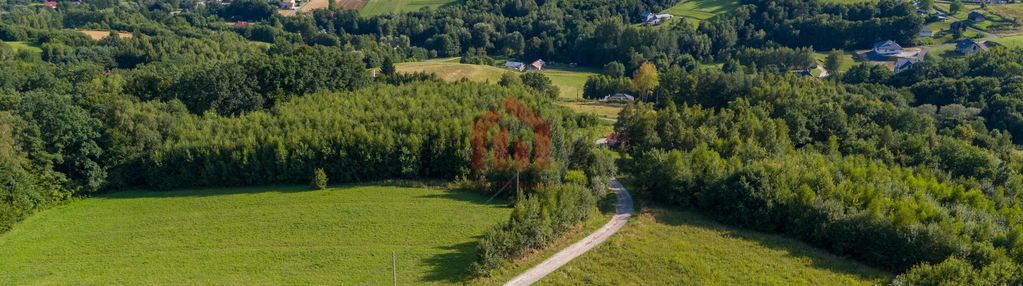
column 319, row 181
column 614, row 70
column 428, row 139
column 850, row 168
column 536, row 222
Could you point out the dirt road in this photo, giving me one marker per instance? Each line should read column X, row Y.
column 622, row 214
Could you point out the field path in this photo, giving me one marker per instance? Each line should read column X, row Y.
column 622, row 214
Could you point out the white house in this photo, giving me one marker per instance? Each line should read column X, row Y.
column 656, row 19
column 888, row 47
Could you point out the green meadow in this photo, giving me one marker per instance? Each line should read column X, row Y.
column 569, row 80
column 698, row 10
column 670, row 247
column 285, row 235
column 376, row 7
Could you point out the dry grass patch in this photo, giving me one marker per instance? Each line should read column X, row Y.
column 97, row 35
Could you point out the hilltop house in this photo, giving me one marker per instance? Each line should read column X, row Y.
column 969, row 47
column 976, row 17
column 50, row 4
column 656, row 19
column 888, row 47
column 517, row 66
column 536, row 65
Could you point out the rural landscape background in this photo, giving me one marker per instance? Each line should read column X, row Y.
column 511, row 142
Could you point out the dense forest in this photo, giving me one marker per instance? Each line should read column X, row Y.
column 917, row 172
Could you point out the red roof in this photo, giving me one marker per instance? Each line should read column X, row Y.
column 51, row 4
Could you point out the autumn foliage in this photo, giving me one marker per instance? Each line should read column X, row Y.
column 495, row 156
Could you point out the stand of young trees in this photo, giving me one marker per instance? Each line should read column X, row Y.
column 912, row 180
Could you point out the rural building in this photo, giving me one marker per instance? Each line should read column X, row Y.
column 655, row 19
column 888, row 47
column 925, row 32
column 969, row 47
column 619, row 97
column 903, row 64
column 976, row 17
column 288, row 4
column 241, row 24
column 50, row 4
column 518, row 66
column 536, row 65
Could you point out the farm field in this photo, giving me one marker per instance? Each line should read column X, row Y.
column 1008, row 11
column 606, row 110
column 252, row 236
column 668, row 247
column 97, row 35
column 698, row 10
column 376, row 7
column 569, row 81
column 1013, row 41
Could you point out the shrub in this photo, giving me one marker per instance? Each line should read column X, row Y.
column 319, row 179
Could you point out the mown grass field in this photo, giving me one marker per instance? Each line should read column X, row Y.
column 569, row 80
column 667, row 247
column 847, row 60
column 606, row 110
column 252, row 236
column 376, row 7
column 1012, row 42
column 695, row 11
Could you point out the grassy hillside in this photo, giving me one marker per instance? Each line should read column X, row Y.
column 375, row 7
column 251, row 236
column 698, row 10
column 665, row 247
column 1013, row 41
column 23, row 46
column 569, row 81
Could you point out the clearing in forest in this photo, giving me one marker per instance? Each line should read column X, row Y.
column 252, row 236
column 663, row 247
column 569, row 80
column 376, row 7
column 695, row 11
column 97, row 35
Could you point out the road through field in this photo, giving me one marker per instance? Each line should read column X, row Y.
column 622, row 214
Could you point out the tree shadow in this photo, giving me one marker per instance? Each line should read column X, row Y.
column 817, row 258
column 452, row 266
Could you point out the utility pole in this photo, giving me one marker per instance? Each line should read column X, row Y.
column 394, row 269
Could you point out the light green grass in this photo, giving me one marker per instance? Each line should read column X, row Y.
column 17, row 46
column 667, row 247
column 569, row 80
column 847, row 60
column 1012, row 42
column 252, row 236
column 695, row 11
column 376, row 7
